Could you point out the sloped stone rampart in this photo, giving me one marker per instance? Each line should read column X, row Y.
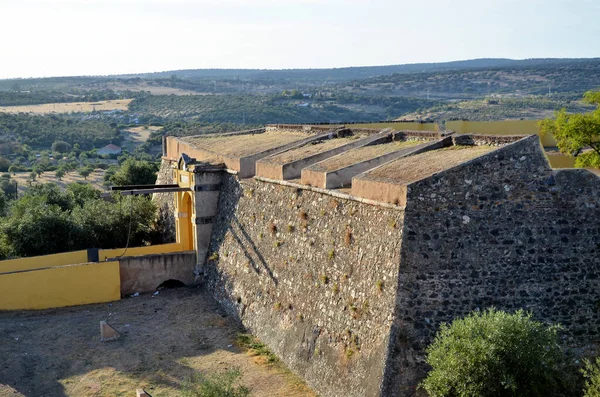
column 502, row 230
column 311, row 275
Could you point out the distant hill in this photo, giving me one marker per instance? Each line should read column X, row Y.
column 492, row 88
column 359, row 72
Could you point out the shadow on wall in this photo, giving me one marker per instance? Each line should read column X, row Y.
column 255, row 260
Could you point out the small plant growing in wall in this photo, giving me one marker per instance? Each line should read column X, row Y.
column 277, row 306
column 316, row 352
column 349, row 353
column 379, row 285
column 334, row 204
column 348, row 238
column 324, row 279
column 331, row 254
column 393, row 224
column 336, row 288
column 272, row 228
column 302, row 215
column 277, row 244
column 260, row 236
column 214, row 256
column 290, row 228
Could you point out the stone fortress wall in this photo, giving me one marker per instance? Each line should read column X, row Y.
column 348, row 292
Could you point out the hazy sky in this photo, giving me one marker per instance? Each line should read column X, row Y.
column 98, row 37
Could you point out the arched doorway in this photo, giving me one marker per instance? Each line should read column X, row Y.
column 185, row 223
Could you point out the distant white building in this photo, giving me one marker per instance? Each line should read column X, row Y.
column 109, row 149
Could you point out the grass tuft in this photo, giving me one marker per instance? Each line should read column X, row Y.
column 255, row 347
column 224, row 384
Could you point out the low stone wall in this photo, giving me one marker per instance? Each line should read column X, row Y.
column 303, row 127
column 311, row 275
column 145, row 273
column 494, row 140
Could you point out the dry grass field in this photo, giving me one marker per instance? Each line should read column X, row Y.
column 135, row 136
column 165, row 340
column 69, row 107
column 96, row 178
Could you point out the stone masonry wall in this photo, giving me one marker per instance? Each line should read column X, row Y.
column 502, row 230
column 165, row 202
column 312, row 276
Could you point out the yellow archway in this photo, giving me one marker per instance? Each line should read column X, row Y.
column 185, row 223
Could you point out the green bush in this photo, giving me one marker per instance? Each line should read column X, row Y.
column 591, row 373
column 494, row 353
column 223, row 384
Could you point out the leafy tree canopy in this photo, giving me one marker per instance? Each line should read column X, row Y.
column 61, row 147
column 576, row 132
column 48, row 220
column 135, row 172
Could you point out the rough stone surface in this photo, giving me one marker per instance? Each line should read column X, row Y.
column 145, row 273
column 502, row 230
column 312, row 276
column 350, row 294
column 165, row 203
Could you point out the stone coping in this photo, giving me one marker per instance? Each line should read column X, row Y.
column 329, row 192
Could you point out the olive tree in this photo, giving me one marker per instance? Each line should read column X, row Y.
column 494, row 353
column 578, row 134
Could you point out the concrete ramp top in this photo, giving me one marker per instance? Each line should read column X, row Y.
column 338, row 171
column 363, row 153
column 388, row 183
column 289, row 164
column 247, row 144
column 239, row 151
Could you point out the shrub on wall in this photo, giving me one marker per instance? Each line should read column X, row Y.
column 494, row 353
column 591, row 373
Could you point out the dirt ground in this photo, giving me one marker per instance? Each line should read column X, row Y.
column 68, row 107
column 165, row 339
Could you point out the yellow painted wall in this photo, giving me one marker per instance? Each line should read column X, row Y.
column 505, row 127
column 39, row 262
column 398, row 126
column 561, row 161
column 185, row 211
column 60, row 286
column 138, row 251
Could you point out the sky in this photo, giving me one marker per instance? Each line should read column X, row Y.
column 99, row 37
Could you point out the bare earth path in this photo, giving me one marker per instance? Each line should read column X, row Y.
column 164, row 340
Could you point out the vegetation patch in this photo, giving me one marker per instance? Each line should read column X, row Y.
column 224, row 384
